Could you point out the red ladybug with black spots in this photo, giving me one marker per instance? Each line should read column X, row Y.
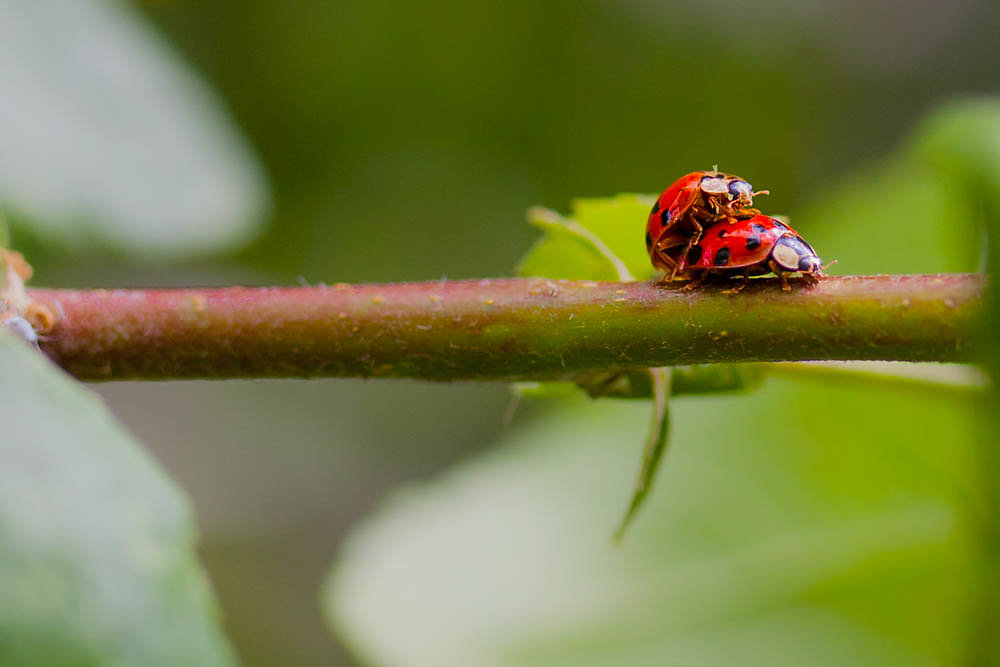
column 693, row 202
column 749, row 247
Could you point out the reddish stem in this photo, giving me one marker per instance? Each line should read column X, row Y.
column 512, row 329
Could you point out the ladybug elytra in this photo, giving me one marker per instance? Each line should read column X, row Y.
column 749, row 247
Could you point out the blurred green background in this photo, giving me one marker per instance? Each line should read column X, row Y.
column 400, row 141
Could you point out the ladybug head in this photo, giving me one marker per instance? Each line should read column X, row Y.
column 792, row 253
column 732, row 188
column 741, row 191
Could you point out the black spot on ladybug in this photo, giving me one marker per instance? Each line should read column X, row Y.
column 721, row 257
column 665, row 217
column 780, row 225
column 656, row 207
column 649, row 240
column 722, row 233
column 694, row 254
column 753, row 242
column 758, row 228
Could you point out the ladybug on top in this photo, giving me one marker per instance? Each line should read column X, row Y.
column 705, row 224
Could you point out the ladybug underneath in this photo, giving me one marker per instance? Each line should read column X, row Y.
column 749, row 247
column 693, row 202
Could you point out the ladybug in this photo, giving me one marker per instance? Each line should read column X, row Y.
column 693, row 202
column 748, row 247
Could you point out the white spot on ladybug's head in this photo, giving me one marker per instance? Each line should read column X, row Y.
column 715, row 185
column 787, row 253
column 793, row 254
column 22, row 328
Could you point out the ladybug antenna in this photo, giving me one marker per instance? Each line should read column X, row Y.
column 715, row 168
column 760, row 192
column 827, row 265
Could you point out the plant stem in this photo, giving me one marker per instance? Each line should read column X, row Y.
column 508, row 329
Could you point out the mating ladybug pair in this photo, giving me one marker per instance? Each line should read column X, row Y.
column 705, row 224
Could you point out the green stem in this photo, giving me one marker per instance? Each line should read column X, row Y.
column 503, row 330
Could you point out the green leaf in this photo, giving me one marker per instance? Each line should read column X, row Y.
column 807, row 514
column 923, row 210
column 895, row 217
column 684, row 381
column 935, row 377
column 564, row 254
column 108, row 137
column 97, row 561
column 618, row 222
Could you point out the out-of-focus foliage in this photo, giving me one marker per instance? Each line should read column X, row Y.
column 97, row 562
column 961, row 145
column 110, row 141
column 405, row 141
column 803, row 515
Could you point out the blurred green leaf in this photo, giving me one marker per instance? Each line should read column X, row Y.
column 97, row 562
column 546, row 390
column 617, row 221
column 714, row 378
column 960, row 144
column 684, row 380
column 922, row 210
column 934, row 377
column 895, row 217
column 108, row 137
column 836, row 523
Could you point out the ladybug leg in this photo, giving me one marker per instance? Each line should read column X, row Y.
column 666, row 263
column 743, row 205
column 742, row 214
column 736, row 289
column 695, row 282
column 711, row 215
column 782, row 275
column 682, row 262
